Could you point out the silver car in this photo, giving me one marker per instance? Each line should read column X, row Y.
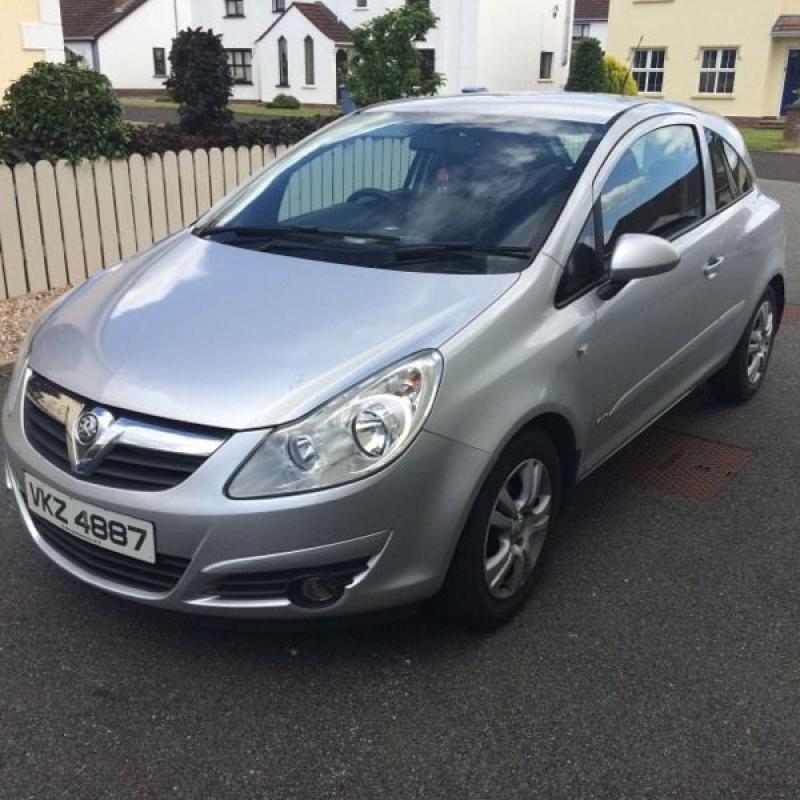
column 368, row 377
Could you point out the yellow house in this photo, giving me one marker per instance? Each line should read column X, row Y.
column 740, row 58
column 30, row 31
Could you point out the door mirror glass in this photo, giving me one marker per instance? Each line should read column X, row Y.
column 639, row 255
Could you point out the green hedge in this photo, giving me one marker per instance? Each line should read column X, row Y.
column 147, row 139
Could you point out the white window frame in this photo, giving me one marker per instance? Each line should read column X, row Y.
column 648, row 69
column 309, row 61
column 240, row 65
column 581, row 30
column 544, row 61
column 717, row 70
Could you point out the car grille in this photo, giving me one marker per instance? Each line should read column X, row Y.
column 159, row 577
column 269, row 585
column 123, row 466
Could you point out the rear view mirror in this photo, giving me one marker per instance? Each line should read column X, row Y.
column 639, row 255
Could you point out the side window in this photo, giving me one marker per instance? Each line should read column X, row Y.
column 725, row 187
column 732, row 177
column 744, row 180
column 584, row 268
column 656, row 187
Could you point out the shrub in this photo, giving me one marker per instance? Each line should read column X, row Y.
column 587, row 72
column 200, row 81
column 147, row 139
column 284, row 101
column 61, row 111
column 386, row 63
column 618, row 77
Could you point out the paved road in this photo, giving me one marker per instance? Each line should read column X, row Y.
column 659, row 658
column 778, row 166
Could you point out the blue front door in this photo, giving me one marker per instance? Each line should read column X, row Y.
column 791, row 86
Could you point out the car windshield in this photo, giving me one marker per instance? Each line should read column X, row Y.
column 427, row 192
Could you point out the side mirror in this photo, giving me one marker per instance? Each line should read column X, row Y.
column 639, row 255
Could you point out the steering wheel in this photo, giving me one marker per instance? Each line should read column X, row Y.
column 380, row 194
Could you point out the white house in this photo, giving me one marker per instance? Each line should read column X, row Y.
column 277, row 46
column 591, row 21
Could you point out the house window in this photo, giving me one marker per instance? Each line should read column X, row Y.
column 361, row 3
column 581, row 30
column 240, row 63
column 234, row 8
column 159, row 62
column 309, row 49
column 545, row 66
column 718, row 71
column 648, row 70
column 72, row 58
column 428, row 63
column 278, row 5
column 283, row 62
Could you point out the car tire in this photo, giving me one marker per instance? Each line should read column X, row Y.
column 502, row 547
column 743, row 374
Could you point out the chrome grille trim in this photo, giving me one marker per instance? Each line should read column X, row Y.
column 65, row 408
column 132, row 452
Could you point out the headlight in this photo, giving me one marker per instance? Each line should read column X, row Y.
column 350, row 437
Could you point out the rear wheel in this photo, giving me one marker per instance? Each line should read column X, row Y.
column 495, row 565
column 744, row 373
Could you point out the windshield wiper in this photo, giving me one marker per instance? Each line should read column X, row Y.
column 437, row 250
column 274, row 231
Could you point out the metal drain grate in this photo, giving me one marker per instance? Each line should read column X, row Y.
column 685, row 466
column 791, row 315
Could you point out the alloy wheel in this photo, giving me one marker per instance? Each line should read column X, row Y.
column 760, row 343
column 517, row 528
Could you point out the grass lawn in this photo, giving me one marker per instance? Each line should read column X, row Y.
column 251, row 109
column 764, row 139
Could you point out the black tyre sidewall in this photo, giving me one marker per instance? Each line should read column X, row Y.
column 465, row 595
column 732, row 383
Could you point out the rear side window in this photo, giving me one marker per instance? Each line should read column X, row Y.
column 656, row 187
column 741, row 174
column 725, row 187
column 732, row 178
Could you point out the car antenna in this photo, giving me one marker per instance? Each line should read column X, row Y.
column 630, row 64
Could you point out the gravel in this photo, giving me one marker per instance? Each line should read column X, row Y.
column 16, row 317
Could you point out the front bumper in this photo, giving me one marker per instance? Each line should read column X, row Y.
column 402, row 523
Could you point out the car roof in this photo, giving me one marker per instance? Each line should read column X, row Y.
column 573, row 106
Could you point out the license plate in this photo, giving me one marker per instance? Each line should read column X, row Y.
column 110, row 530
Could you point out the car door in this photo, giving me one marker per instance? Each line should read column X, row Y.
column 653, row 338
column 738, row 213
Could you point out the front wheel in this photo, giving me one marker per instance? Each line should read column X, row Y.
column 495, row 564
column 744, row 373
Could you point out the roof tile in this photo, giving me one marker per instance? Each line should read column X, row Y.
column 591, row 10
column 88, row 19
column 787, row 25
column 319, row 15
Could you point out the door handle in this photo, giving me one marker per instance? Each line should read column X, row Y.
column 711, row 269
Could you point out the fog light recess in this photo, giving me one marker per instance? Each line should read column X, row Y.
column 316, row 591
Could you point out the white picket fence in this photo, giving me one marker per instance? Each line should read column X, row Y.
column 60, row 224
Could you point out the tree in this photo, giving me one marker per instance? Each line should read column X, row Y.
column 618, row 77
column 200, row 81
column 61, row 111
column 587, row 72
column 386, row 64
